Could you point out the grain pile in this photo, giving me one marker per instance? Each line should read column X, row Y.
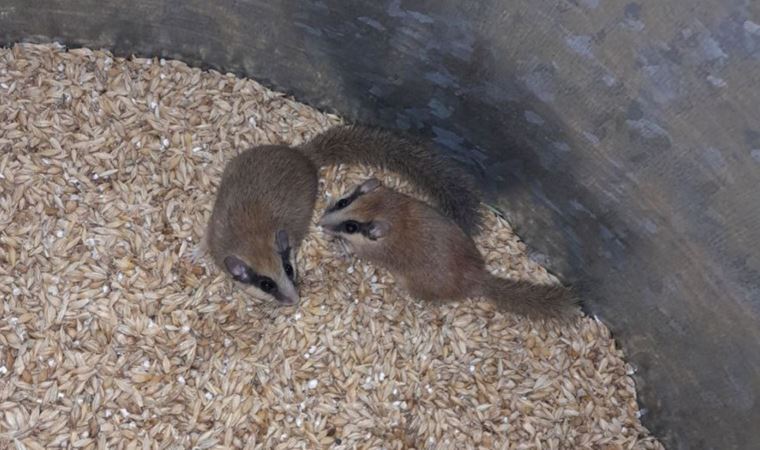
column 113, row 336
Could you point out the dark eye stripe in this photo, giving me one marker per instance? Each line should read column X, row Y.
column 351, row 226
column 285, row 256
column 344, row 202
column 361, row 227
column 289, row 271
column 255, row 279
column 267, row 285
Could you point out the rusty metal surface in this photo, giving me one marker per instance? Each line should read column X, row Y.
column 622, row 139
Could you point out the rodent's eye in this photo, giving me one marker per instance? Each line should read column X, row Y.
column 351, row 227
column 288, row 270
column 342, row 203
column 267, row 285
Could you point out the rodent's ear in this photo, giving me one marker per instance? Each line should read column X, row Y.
column 369, row 185
column 378, row 229
column 281, row 241
column 238, row 269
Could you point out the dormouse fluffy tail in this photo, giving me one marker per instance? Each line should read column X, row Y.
column 530, row 299
column 448, row 184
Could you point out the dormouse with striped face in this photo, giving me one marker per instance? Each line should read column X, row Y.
column 429, row 254
column 260, row 217
column 266, row 199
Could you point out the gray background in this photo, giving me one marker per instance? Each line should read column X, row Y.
column 621, row 138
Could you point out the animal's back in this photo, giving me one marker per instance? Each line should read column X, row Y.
column 451, row 187
column 434, row 255
column 263, row 190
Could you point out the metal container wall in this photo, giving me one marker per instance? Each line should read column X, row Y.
column 622, row 138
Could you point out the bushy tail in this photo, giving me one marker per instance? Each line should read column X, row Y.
column 445, row 181
column 530, row 299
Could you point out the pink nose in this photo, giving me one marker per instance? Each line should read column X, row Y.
column 288, row 301
column 287, row 295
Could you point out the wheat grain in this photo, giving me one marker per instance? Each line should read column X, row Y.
column 113, row 335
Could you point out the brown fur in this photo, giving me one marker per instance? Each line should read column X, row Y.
column 451, row 188
column 263, row 190
column 271, row 188
column 433, row 258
